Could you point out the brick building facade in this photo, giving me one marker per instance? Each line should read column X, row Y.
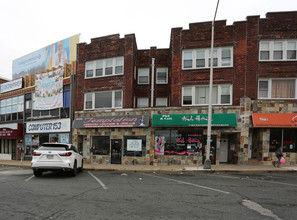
column 255, row 71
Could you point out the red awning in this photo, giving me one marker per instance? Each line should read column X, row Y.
column 277, row 120
column 9, row 131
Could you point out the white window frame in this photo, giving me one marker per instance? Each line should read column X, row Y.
column 269, row 94
column 113, row 100
column 93, row 65
column 162, row 70
column 193, row 89
column 207, row 56
column 143, row 72
column 164, row 100
column 145, row 99
column 272, row 48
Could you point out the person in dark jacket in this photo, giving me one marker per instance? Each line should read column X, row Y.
column 279, row 155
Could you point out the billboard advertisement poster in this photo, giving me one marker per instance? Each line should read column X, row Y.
column 51, row 56
column 49, row 90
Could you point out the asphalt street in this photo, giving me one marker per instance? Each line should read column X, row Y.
column 135, row 195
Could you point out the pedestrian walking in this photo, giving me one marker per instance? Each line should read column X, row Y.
column 279, row 155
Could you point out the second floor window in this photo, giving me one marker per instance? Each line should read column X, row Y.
column 199, row 95
column 104, row 67
column 12, row 108
column 278, row 50
column 277, row 89
column 162, row 76
column 102, row 100
column 201, row 58
column 143, row 76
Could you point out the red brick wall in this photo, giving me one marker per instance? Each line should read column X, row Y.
column 144, row 60
column 102, row 48
column 243, row 36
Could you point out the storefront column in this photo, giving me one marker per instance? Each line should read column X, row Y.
column 245, row 113
column 264, row 149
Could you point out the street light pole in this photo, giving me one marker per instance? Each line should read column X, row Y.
column 207, row 162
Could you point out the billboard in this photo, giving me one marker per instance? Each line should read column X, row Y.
column 51, row 56
column 49, row 90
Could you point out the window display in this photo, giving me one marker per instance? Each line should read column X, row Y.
column 286, row 137
column 178, row 141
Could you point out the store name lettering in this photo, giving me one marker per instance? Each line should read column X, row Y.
column 181, row 140
column 45, row 126
column 197, row 118
column 109, row 120
column 166, row 117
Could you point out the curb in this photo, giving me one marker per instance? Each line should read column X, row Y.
column 168, row 170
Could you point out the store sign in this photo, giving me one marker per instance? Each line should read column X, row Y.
column 276, row 120
column 62, row 125
column 193, row 120
column 112, row 121
column 12, row 85
column 134, row 145
column 13, row 130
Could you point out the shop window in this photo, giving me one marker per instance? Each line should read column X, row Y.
column 53, row 138
column 101, row 145
column 135, row 146
column 64, row 138
column 286, row 137
column 178, row 141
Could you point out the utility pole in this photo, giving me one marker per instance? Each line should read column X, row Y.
column 207, row 162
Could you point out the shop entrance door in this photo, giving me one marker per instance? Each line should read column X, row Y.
column 116, row 151
column 224, row 150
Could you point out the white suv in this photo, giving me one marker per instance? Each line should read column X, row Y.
column 56, row 156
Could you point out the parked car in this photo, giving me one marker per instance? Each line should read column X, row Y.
column 56, row 156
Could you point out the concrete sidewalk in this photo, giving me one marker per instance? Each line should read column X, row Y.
column 170, row 168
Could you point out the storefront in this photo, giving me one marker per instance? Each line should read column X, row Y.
column 39, row 132
column 178, row 137
column 11, row 140
column 121, row 139
column 276, row 129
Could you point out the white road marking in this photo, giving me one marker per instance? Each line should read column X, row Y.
column 29, row 178
column 98, row 180
column 258, row 208
column 191, row 184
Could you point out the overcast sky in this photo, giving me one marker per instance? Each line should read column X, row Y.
column 28, row 25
